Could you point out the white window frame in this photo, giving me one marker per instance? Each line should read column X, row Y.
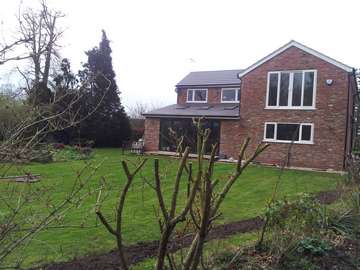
column 311, row 141
column 193, row 95
column 291, row 81
column 237, row 98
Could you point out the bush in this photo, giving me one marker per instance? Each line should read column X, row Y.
column 71, row 153
column 313, row 246
column 304, row 213
column 346, row 220
column 42, row 156
column 353, row 168
column 58, row 146
column 299, row 233
column 308, row 253
column 288, row 222
column 12, row 112
column 83, row 143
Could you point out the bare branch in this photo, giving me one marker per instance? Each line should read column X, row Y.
column 158, row 190
column 179, row 172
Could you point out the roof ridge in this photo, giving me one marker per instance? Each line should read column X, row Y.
column 217, row 70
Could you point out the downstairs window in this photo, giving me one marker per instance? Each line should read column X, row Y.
column 172, row 129
column 289, row 132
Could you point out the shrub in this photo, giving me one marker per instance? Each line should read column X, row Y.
column 288, row 222
column 304, row 213
column 353, row 168
column 346, row 220
column 12, row 112
column 85, row 151
column 42, row 156
column 58, row 146
column 297, row 263
column 227, row 260
column 304, row 255
column 72, row 153
column 313, row 246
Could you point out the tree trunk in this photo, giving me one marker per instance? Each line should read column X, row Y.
column 49, row 52
column 163, row 246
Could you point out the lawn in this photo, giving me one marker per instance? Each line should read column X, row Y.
column 212, row 248
column 247, row 199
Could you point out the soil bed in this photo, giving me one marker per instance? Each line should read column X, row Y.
column 142, row 250
column 344, row 256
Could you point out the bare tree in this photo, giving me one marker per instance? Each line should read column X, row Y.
column 38, row 28
column 7, row 51
column 137, row 110
column 202, row 203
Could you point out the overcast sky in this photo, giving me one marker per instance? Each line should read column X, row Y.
column 156, row 43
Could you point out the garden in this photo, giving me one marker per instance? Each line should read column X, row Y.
column 78, row 232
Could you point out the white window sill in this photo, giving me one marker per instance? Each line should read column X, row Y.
column 196, row 101
column 234, row 101
column 290, row 108
column 288, row 142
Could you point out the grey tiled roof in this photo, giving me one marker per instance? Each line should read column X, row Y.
column 217, row 77
column 221, row 110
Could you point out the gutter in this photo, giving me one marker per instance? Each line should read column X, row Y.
column 177, row 87
column 350, row 124
column 191, row 116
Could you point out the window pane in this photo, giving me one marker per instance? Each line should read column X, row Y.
column 238, row 96
column 229, row 95
column 308, row 88
column 306, row 133
column 296, row 96
column 200, row 95
column 270, row 131
column 190, row 95
column 273, row 84
column 284, row 89
column 288, row 132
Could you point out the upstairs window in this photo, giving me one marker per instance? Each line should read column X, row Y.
column 291, row 89
column 197, row 95
column 284, row 132
column 230, row 95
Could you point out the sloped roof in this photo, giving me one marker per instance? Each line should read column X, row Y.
column 296, row 44
column 216, row 111
column 208, row 78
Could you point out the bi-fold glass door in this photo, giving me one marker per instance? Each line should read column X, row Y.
column 171, row 129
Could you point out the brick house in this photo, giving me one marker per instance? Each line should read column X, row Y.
column 294, row 94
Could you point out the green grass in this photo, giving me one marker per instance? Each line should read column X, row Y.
column 211, row 249
column 247, row 199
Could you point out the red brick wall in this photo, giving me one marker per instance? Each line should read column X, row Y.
column 214, row 95
column 151, row 135
column 230, row 138
column 329, row 117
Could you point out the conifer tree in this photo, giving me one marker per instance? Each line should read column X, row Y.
column 109, row 124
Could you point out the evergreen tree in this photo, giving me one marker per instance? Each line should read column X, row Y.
column 66, row 92
column 108, row 125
